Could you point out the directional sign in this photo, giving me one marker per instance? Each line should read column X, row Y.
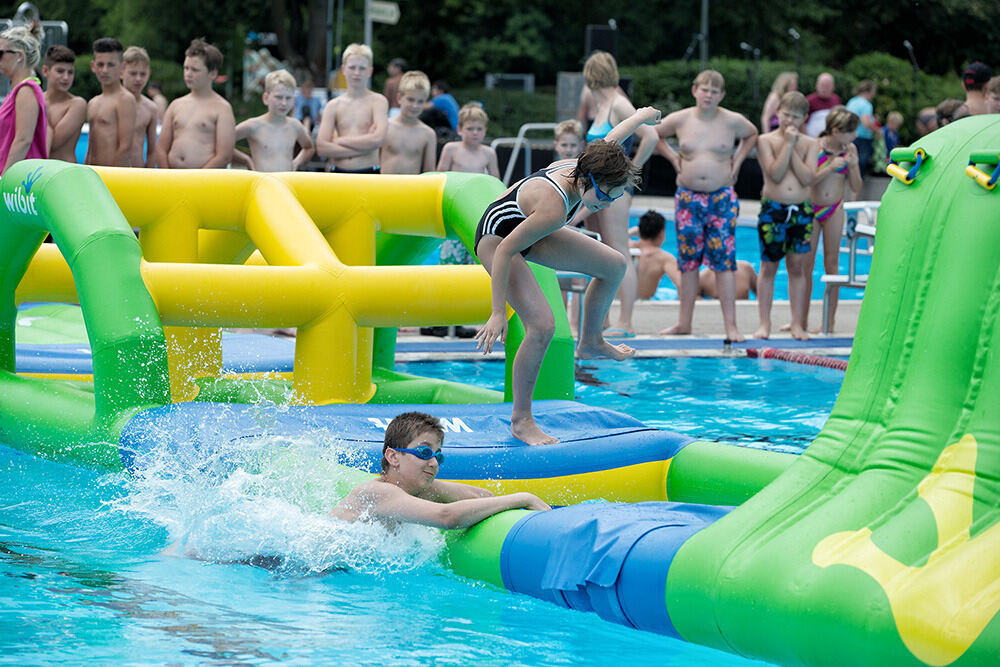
column 383, row 12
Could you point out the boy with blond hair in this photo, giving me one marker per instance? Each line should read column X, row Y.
column 65, row 112
column 469, row 154
column 198, row 129
column 134, row 78
column 354, row 125
column 784, row 226
column 410, row 144
column 273, row 136
column 112, row 113
column 569, row 140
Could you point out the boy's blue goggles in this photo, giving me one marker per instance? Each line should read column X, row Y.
column 422, row 452
column 601, row 194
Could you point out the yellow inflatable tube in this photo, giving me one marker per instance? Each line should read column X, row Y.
column 315, row 271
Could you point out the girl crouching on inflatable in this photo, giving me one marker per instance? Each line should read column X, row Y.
column 527, row 222
column 837, row 170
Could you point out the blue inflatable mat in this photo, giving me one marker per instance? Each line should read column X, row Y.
column 611, row 558
column 477, row 445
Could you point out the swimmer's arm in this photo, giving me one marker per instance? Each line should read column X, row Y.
column 225, row 141
column 70, row 124
column 395, row 504
column 25, row 120
column 805, row 173
column 854, row 179
column 151, row 141
column 775, row 167
column 492, row 165
column 625, row 129
column 375, row 136
column 306, row 148
column 325, row 142
column 430, row 149
column 166, row 139
column 125, row 109
column 444, row 164
column 239, row 157
column 441, row 491
column 747, row 134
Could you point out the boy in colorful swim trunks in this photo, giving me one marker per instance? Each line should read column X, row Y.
column 353, row 126
column 787, row 160
column 705, row 202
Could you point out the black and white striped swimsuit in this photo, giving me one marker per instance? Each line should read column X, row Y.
column 503, row 215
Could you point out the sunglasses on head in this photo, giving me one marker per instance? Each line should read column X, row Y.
column 601, row 194
column 422, row 452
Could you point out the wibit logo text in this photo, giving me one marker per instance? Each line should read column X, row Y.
column 20, row 201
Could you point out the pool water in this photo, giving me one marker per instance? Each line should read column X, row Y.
column 85, row 575
column 748, row 249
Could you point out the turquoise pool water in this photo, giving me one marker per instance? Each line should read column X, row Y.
column 85, row 576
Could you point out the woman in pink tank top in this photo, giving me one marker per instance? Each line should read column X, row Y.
column 23, row 125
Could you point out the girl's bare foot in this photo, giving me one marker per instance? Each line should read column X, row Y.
column 604, row 349
column 676, row 330
column 763, row 331
column 527, row 431
column 734, row 335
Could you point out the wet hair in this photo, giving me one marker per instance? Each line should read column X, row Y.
column 415, row 81
column 840, row 120
column 651, row 223
column 26, row 39
column 212, row 56
column 361, row 50
column 404, row 428
column 865, row 86
column 951, row 110
column 993, row 86
column 279, row 77
column 710, row 77
column 471, row 112
column 607, row 163
column 780, row 85
column 108, row 45
column 59, row 54
column 442, row 85
column 600, row 70
column 571, row 126
column 135, row 55
column 795, row 102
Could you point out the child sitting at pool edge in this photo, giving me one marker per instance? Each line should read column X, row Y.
column 407, row 490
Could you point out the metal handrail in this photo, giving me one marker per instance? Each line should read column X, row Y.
column 517, row 143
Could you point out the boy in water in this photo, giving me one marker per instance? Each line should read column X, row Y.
column 408, row 491
column 274, row 135
column 198, row 129
column 66, row 112
column 112, row 113
column 354, row 124
column 134, row 78
column 705, row 202
column 410, row 144
column 469, row 154
column 786, row 215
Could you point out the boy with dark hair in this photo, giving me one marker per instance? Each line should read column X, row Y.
column 974, row 79
column 407, row 490
column 198, row 129
column 784, row 226
column 66, row 112
column 111, row 114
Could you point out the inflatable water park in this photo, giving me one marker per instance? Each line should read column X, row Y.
column 877, row 545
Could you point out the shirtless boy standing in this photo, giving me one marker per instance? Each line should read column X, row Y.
column 198, row 129
column 705, row 202
column 134, row 79
column 354, row 124
column 274, row 135
column 786, row 215
column 469, row 154
column 410, row 145
column 66, row 112
column 112, row 113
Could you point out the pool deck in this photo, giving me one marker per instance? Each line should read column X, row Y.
column 708, row 335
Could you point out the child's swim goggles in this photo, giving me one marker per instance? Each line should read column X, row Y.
column 422, row 452
column 601, row 194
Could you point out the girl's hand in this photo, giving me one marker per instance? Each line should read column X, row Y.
column 650, row 115
column 495, row 327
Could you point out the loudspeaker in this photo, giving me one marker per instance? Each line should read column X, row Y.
column 600, row 38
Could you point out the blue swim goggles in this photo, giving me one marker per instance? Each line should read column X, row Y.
column 601, row 194
column 422, row 452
